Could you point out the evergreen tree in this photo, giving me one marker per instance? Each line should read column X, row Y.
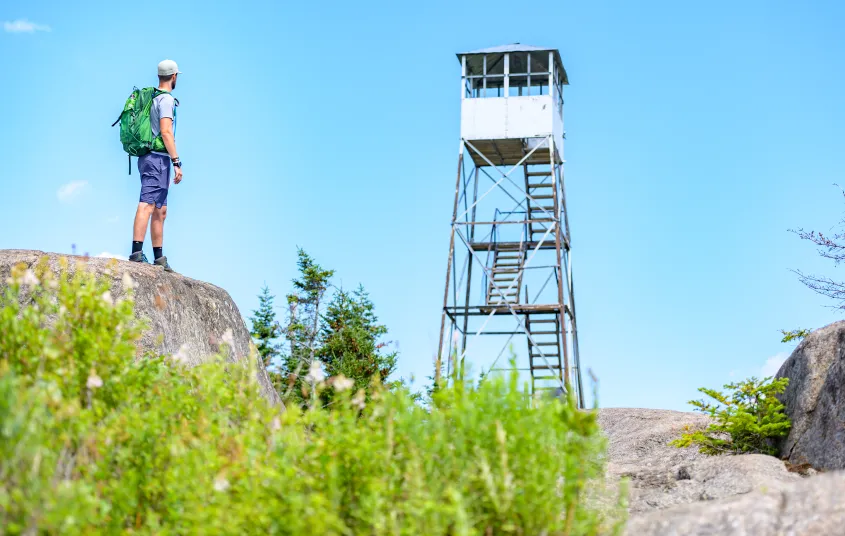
column 303, row 327
column 350, row 339
column 266, row 330
column 345, row 339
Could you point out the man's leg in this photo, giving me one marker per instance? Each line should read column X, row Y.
column 142, row 218
column 157, row 227
column 157, row 234
column 139, row 229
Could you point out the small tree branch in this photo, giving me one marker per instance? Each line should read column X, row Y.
column 825, row 286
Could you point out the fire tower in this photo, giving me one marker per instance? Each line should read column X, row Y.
column 509, row 273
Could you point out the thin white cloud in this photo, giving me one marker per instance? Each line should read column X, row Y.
column 773, row 364
column 71, row 190
column 107, row 255
column 24, row 26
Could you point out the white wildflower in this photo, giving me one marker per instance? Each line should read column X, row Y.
column 29, row 279
column 276, row 424
column 315, row 373
column 342, row 383
column 229, row 338
column 62, row 310
column 128, row 282
column 107, row 297
column 220, row 483
column 359, row 400
column 94, row 381
column 181, row 355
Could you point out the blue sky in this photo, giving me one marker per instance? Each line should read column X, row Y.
column 697, row 134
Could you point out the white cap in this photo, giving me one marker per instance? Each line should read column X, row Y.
column 167, row 68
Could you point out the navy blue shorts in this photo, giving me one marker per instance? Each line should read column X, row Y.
column 155, row 178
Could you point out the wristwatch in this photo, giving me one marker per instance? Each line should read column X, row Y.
column 176, row 162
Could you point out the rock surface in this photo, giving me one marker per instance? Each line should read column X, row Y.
column 815, row 399
column 662, row 476
column 811, row 506
column 186, row 317
column 639, row 438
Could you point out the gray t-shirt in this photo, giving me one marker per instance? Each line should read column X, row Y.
column 164, row 106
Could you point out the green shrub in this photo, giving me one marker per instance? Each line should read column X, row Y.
column 93, row 440
column 794, row 335
column 747, row 419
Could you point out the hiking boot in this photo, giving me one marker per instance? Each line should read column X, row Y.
column 162, row 261
column 138, row 257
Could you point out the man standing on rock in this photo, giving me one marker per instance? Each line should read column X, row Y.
column 154, row 168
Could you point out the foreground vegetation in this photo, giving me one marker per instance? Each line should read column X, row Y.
column 94, row 441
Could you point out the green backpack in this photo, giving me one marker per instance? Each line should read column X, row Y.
column 136, row 135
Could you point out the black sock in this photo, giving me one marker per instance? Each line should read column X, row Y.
column 137, row 246
column 157, row 253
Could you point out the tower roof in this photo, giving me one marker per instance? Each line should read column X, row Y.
column 513, row 47
column 519, row 47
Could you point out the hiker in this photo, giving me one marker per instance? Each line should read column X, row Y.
column 154, row 168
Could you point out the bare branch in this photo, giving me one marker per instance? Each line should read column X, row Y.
column 830, row 248
column 825, row 286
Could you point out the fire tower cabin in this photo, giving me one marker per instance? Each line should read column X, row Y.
column 509, row 95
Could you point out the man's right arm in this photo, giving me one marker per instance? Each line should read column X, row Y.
column 166, row 127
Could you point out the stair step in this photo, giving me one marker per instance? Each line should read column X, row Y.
column 540, row 185
column 538, row 209
column 542, row 343
column 546, row 367
column 538, row 173
column 544, row 196
column 547, row 356
column 542, row 321
column 543, row 332
column 546, row 378
column 506, row 297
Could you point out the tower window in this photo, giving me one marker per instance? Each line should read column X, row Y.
column 513, row 74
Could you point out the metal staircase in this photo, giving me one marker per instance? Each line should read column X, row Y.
column 541, row 209
column 505, row 280
column 544, row 351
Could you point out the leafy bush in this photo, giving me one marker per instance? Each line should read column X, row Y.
column 93, row 440
column 794, row 335
column 747, row 419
